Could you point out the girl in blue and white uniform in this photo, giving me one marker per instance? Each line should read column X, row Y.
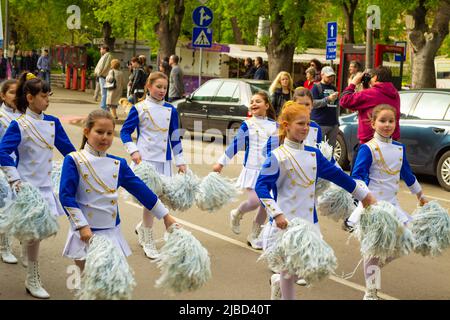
column 252, row 137
column 380, row 164
column 8, row 113
column 286, row 184
column 90, row 179
column 33, row 136
column 158, row 141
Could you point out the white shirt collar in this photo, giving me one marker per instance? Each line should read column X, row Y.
column 259, row 118
column 91, row 150
column 8, row 108
column 379, row 137
column 37, row 116
column 294, row 145
column 151, row 99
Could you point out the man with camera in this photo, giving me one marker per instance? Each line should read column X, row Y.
column 378, row 89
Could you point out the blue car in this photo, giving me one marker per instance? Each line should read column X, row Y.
column 424, row 130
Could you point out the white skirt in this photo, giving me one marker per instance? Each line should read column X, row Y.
column 247, row 179
column 164, row 168
column 53, row 202
column 77, row 249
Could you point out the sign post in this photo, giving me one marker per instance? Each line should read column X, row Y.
column 372, row 23
column 332, row 31
column 201, row 34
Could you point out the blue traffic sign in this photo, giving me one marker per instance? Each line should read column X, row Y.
column 331, row 50
column 332, row 30
column 202, row 16
column 398, row 57
column 202, row 37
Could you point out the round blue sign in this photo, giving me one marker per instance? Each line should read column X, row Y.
column 202, row 16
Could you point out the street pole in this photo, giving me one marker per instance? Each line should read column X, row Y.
column 135, row 37
column 369, row 44
column 6, row 45
column 200, row 68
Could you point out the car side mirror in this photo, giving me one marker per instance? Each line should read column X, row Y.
column 189, row 98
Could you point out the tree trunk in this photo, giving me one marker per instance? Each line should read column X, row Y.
column 168, row 28
column 426, row 42
column 107, row 39
column 349, row 12
column 237, row 31
column 279, row 52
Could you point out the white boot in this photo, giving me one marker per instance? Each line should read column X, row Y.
column 33, row 282
column 24, row 255
column 235, row 220
column 149, row 243
column 275, row 289
column 5, row 250
column 371, row 294
column 253, row 238
column 139, row 233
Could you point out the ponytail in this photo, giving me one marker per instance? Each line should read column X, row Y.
column 29, row 84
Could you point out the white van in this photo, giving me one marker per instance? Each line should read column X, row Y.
column 442, row 67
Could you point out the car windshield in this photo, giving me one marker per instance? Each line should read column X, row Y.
column 255, row 87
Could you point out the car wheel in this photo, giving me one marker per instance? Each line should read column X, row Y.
column 443, row 171
column 340, row 152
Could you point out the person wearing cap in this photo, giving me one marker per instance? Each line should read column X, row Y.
column 326, row 108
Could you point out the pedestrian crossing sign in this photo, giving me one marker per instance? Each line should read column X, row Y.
column 202, row 37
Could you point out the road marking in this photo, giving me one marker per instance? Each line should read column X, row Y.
column 245, row 246
column 428, row 196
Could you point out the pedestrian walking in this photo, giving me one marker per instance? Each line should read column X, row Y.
column 380, row 164
column 251, row 137
column 176, row 83
column 17, row 64
column 138, row 80
column 34, row 133
column 281, row 90
column 287, row 182
column 8, row 113
column 94, row 210
column 101, row 71
column 115, row 80
column 158, row 143
column 43, row 65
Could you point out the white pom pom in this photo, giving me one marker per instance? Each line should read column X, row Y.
column 31, row 218
column 56, row 175
column 180, row 191
column 147, row 173
column 107, row 275
column 183, row 261
column 431, row 229
column 326, row 150
column 214, row 192
column 322, row 185
column 381, row 234
column 301, row 251
column 336, row 203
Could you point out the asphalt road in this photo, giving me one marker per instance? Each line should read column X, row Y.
column 236, row 273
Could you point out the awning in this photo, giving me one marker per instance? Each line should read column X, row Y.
column 247, row 51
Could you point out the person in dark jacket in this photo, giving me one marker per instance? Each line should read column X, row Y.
column 249, row 69
column 3, row 66
column 325, row 107
column 138, row 80
column 261, row 71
